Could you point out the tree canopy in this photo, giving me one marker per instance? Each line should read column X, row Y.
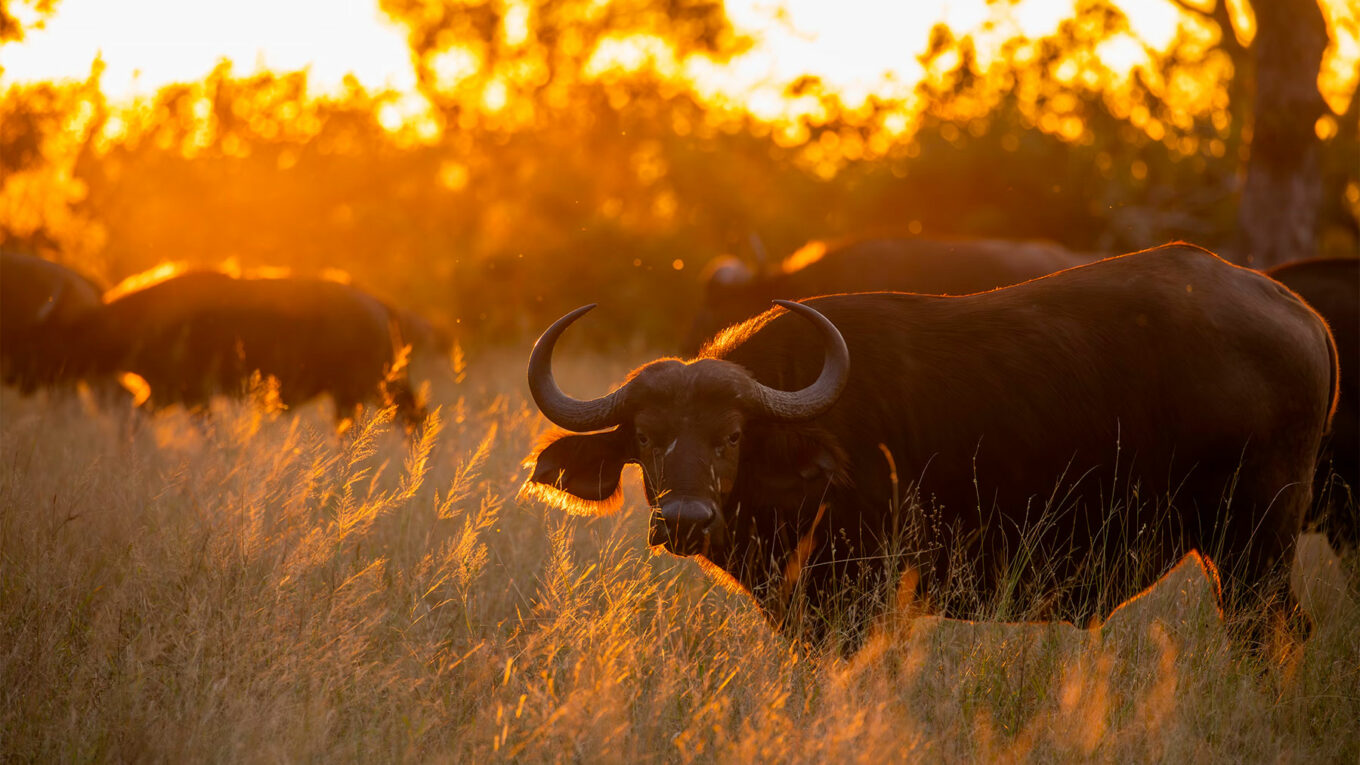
column 558, row 153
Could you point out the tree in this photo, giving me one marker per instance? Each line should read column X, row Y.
column 1282, row 196
column 532, row 53
column 1269, row 123
column 12, row 25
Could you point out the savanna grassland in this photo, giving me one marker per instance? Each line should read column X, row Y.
column 251, row 587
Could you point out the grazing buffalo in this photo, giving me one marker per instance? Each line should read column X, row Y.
column 424, row 337
column 732, row 293
column 37, row 299
column 1048, row 449
column 1332, row 287
column 430, row 345
column 200, row 333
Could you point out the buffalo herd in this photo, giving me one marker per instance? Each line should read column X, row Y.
column 945, row 424
column 733, row 292
column 196, row 333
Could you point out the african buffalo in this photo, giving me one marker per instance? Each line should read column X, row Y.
column 733, row 293
column 199, row 333
column 38, row 298
column 1056, row 445
column 1332, row 287
column 430, row 344
column 420, row 333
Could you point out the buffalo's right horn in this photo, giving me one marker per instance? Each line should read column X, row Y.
column 795, row 406
column 564, row 411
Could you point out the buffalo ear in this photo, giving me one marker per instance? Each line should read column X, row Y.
column 793, row 464
column 818, row 462
column 819, row 457
column 580, row 473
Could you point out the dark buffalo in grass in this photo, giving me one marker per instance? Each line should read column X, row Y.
column 424, row 336
column 431, row 345
column 200, row 333
column 1045, row 450
column 733, row 293
column 1332, row 287
column 39, row 299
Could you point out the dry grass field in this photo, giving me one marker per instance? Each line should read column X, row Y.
column 250, row 587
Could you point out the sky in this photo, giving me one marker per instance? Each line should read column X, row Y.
column 857, row 47
column 148, row 43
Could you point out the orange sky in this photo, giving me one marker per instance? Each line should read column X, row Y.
column 858, row 47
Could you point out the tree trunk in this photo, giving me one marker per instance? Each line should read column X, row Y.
column 1282, row 196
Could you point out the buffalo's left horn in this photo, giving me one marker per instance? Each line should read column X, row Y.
column 564, row 411
column 45, row 310
column 794, row 406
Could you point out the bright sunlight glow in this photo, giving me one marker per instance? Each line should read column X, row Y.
column 146, row 44
column 857, row 48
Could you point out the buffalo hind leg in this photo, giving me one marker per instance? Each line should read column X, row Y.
column 397, row 391
column 1259, row 605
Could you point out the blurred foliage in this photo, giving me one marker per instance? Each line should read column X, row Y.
column 553, row 157
column 18, row 16
column 525, row 59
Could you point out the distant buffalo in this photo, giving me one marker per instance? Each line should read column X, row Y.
column 1332, row 287
column 734, row 293
column 430, row 345
column 38, row 300
column 1055, row 446
column 424, row 337
column 199, row 333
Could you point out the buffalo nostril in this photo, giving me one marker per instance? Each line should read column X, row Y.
column 682, row 525
column 687, row 513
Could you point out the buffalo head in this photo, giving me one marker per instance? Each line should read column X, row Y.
column 683, row 422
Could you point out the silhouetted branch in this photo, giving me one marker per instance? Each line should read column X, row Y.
column 1220, row 16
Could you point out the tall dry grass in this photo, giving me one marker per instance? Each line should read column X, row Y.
column 250, row 587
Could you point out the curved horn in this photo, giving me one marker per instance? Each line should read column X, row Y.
column 44, row 311
column 563, row 410
column 793, row 406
